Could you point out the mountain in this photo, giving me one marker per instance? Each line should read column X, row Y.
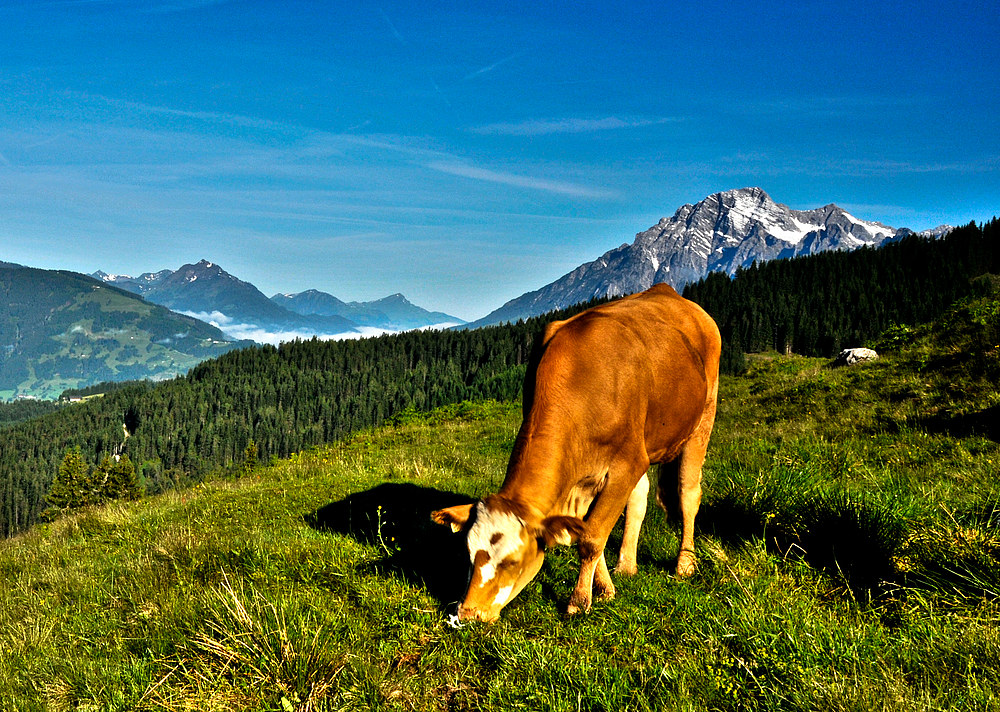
column 62, row 330
column 395, row 312
column 722, row 233
column 206, row 291
column 137, row 285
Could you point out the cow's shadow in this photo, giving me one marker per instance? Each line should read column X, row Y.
column 396, row 518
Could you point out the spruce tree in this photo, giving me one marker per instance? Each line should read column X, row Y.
column 72, row 487
column 121, row 481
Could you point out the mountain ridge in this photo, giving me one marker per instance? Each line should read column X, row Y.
column 208, row 292
column 62, row 329
column 723, row 232
column 394, row 312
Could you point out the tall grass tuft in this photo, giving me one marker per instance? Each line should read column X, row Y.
column 257, row 650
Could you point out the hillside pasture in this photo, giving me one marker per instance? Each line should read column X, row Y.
column 848, row 547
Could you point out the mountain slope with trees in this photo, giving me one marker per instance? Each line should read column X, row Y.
column 817, row 305
column 62, row 330
column 306, row 393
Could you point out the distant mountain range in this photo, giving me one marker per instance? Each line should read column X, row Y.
column 206, row 291
column 61, row 330
column 394, row 313
column 723, row 232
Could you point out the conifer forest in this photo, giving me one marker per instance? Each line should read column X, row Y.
column 272, row 402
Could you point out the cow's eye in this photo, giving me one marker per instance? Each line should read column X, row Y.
column 506, row 564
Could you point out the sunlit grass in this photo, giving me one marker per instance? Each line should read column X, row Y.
column 848, row 560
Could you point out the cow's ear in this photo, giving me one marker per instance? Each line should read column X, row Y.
column 455, row 517
column 561, row 530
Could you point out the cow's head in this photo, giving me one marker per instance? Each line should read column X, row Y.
column 507, row 542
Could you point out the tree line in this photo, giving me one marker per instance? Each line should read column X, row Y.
column 820, row 304
column 275, row 401
column 262, row 400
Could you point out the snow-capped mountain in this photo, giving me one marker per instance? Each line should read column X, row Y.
column 723, row 232
column 137, row 285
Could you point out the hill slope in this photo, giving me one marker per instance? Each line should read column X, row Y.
column 848, row 554
column 62, row 330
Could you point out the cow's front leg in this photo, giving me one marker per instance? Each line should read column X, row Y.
column 604, row 587
column 591, row 561
column 604, row 513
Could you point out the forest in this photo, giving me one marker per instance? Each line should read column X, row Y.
column 306, row 393
column 817, row 305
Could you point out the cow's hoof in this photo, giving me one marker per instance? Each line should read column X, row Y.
column 578, row 604
column 604, row 593
column 626, row 568
column 686, row 565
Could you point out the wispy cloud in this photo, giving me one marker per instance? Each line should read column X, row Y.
column 489, row 68
column 181, row 5
column 392, row 27
column 824, row 106
column 542, row 127
column 164, row 7
column 213, row 117
column 521, row 181
column 756, row 163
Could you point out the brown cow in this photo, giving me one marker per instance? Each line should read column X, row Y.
column 615, row 389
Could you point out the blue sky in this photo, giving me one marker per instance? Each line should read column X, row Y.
column 464, row 153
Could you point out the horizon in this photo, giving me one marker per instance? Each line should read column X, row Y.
column 464, row 155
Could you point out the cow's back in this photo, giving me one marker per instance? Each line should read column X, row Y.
column 638, row 369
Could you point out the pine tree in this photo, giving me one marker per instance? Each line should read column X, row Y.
column 121, row 481
column 72, row 488
column 250, row 457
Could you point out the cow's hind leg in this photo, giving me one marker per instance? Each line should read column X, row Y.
column 689, row 494
column 689, row 489
column 635, row 512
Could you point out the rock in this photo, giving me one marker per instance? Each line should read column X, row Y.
column 849, row 357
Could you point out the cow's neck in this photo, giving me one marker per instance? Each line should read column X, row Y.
column 539, row 473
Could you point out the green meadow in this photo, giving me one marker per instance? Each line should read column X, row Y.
column 848, row 544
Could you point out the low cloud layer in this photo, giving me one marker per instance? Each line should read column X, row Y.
column 261, row 335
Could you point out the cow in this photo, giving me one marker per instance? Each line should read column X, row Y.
column 609, row 392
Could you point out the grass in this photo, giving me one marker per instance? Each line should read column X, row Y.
column 848, row 548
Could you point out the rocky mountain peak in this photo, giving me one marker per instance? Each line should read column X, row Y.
column 721, row 233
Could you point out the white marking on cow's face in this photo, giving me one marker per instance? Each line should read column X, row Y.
column 496, row 533
column 503, row 595
column 505, row 555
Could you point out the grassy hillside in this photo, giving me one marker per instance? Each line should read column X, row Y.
column 62, row 330
column 849, row 560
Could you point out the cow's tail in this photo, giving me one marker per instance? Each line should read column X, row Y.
column 667, row 489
